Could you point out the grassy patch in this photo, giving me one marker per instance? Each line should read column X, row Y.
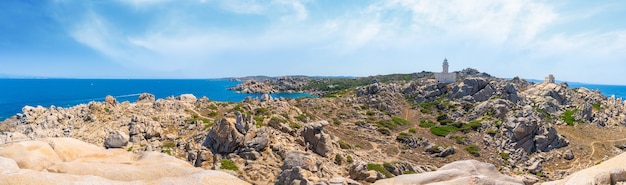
column 261, row 111
column 473, row 149
column 205, row 120
column 384, row 131
column 596, row 106
column 379, row 168
column 294, row 125
column 212, row 114
column 400, row 121
column 168, row 144
column 129, row 149
column 408, row 172
column 258, row 120
column 385, row 124
column 228, row 165
column 213, row 107
column 301, row 117
column 425, row 123
column 568, row 117
column 413, row 130
column 492, row 132
column 443, row 119
column 443, row 130
column 403, row 136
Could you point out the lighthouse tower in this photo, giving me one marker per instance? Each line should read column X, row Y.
column 445, row 76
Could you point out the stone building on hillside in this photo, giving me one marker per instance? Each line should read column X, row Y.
column 550, row 79
column 445, row 76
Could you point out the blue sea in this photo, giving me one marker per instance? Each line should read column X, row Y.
column 16, row 93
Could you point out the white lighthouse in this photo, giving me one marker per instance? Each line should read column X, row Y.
column 445, row 76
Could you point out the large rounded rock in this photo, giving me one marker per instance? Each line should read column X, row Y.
column 320, row 142
column 39, row 165
column 116, row 139
column 35, row 155
column 223, row 137
column 146, row 98
column 459, row 172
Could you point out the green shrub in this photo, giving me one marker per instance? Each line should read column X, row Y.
column 492, row 132
column 336, row 121
column 344, row 145
column 338, row 159
column 208, row 125
column 413, row 130
column 443, row 119
column 168, row 151
column 261, row 111
column 426, row 123
column 596, row 106
column 400, row 121
column 384, row 131
column 473, row 149
column 505, row 156
column 212, row 114
column 205, row 120
column 213, row 107
column 107, row 110
column 370, row 113
column 258, row 120
column 228, row 165
column 349, row 159
column 459, row 139
column 403, row 136
column 408, row 172
column 379, row 168
column 568, row 117
column 442, row 130
column 129, row 149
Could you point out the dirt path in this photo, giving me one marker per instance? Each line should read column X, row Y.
column 576, row 162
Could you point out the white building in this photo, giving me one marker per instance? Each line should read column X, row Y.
column 445, row 76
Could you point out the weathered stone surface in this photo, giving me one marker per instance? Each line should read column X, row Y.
column 321, row 142
column 568, row 155
column 224, row 137
column 110, row 100
column 35, row 155
column 145, row 98
column 190, row 98
column 358, row 171
column 607, row 172
column 460, row 172
column 469, row 87
column 116, row 139
column 84, row 163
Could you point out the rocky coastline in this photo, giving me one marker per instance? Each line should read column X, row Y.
column 392, row 130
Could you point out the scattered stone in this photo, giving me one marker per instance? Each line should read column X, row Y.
column 116, row 139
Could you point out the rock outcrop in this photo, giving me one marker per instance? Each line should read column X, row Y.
column 320, row 142
column 611, row 171
column 116, row 139
column 69, row 161
column 460, row 172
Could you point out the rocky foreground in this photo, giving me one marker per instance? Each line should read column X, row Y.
column 393, row 130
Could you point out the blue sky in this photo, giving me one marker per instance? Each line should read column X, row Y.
column 582, row 41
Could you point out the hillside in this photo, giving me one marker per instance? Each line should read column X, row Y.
column 359, row 131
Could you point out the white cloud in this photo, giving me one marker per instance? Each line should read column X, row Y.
column 481, row 30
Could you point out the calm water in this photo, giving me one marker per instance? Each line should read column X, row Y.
column 16, row 93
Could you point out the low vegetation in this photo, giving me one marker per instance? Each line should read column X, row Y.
column 379, row 168
column 568, row 116
column 228, row 165
column 473, row 149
